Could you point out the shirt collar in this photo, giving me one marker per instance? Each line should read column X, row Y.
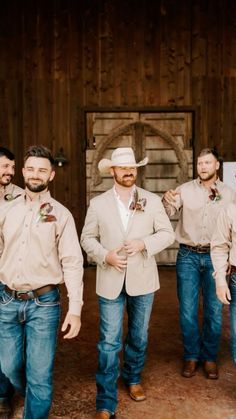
column 216, row 183
column 131, row 192
column 41, row 198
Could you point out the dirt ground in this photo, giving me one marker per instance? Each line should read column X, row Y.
column 169, row 396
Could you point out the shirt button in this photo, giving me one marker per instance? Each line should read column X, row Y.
column 26, row 225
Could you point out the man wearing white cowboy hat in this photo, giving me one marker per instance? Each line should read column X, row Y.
column 124, row 229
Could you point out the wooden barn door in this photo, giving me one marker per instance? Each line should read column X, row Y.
column 166, row 138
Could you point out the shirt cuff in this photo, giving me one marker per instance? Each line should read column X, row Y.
column 75, row 308
column 220, row 281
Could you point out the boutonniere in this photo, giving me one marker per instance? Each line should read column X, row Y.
column 44, row 213
column 214, row 195
column 10, row 197
column 138, row 204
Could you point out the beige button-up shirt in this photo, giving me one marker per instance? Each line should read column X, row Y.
column 198, row 213
column 35, row 252
column 223, row 244
column 9, row 192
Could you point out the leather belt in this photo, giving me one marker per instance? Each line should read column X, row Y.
column 197, row 249
column 31, row 294
column 233, row 269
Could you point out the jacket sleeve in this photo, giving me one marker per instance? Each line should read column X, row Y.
column 90, row 240
column 163, row 234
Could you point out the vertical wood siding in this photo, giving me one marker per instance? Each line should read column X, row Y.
column 58, row 56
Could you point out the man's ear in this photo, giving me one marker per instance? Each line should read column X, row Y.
column 52, row 175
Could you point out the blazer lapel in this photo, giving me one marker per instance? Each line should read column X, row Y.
column 114, row 210
column 132, row 216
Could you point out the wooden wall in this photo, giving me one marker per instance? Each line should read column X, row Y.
column 57, row 57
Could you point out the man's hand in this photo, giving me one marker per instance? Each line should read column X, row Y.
column 133, row 246
column 223, row 293
column 170, row 196
column 118, row 262
column 74, row 323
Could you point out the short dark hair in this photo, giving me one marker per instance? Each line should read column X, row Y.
column 4, row 152
column 212, row 151
column 39, row 151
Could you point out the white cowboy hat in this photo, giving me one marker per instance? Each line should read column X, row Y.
column 121, row 157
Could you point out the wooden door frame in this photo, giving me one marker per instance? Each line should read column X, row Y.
column 83, row 143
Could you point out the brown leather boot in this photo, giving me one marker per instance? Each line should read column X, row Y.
column 136, row 392
column 189, row 368
column 211, row 370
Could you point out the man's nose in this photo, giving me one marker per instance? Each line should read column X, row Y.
column 10, row 171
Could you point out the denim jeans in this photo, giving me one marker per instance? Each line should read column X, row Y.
column 6, row 389
column 110, row 344
column 232, row 287
column 28, row 335
column 194, row 273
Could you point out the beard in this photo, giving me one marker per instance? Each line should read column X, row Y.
column 127, row 180
column 207, row 176
column 37, row 187
column 6, row 180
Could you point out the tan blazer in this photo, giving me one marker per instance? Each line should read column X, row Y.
column 103, row 231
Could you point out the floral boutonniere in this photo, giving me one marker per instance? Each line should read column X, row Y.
column 44, row 213
column 10, row 197
column 138, row 204
column 214, row 195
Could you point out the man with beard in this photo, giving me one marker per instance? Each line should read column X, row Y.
column 8, row 192
column 124, row 228
column 39, row 235
column 199, row 202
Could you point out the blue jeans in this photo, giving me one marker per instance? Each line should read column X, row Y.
column 6, row 389
column 232, row 287
column 28, row 335
column 194, row 273
column 110, row 344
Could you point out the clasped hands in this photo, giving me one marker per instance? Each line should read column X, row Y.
column 119, row 262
